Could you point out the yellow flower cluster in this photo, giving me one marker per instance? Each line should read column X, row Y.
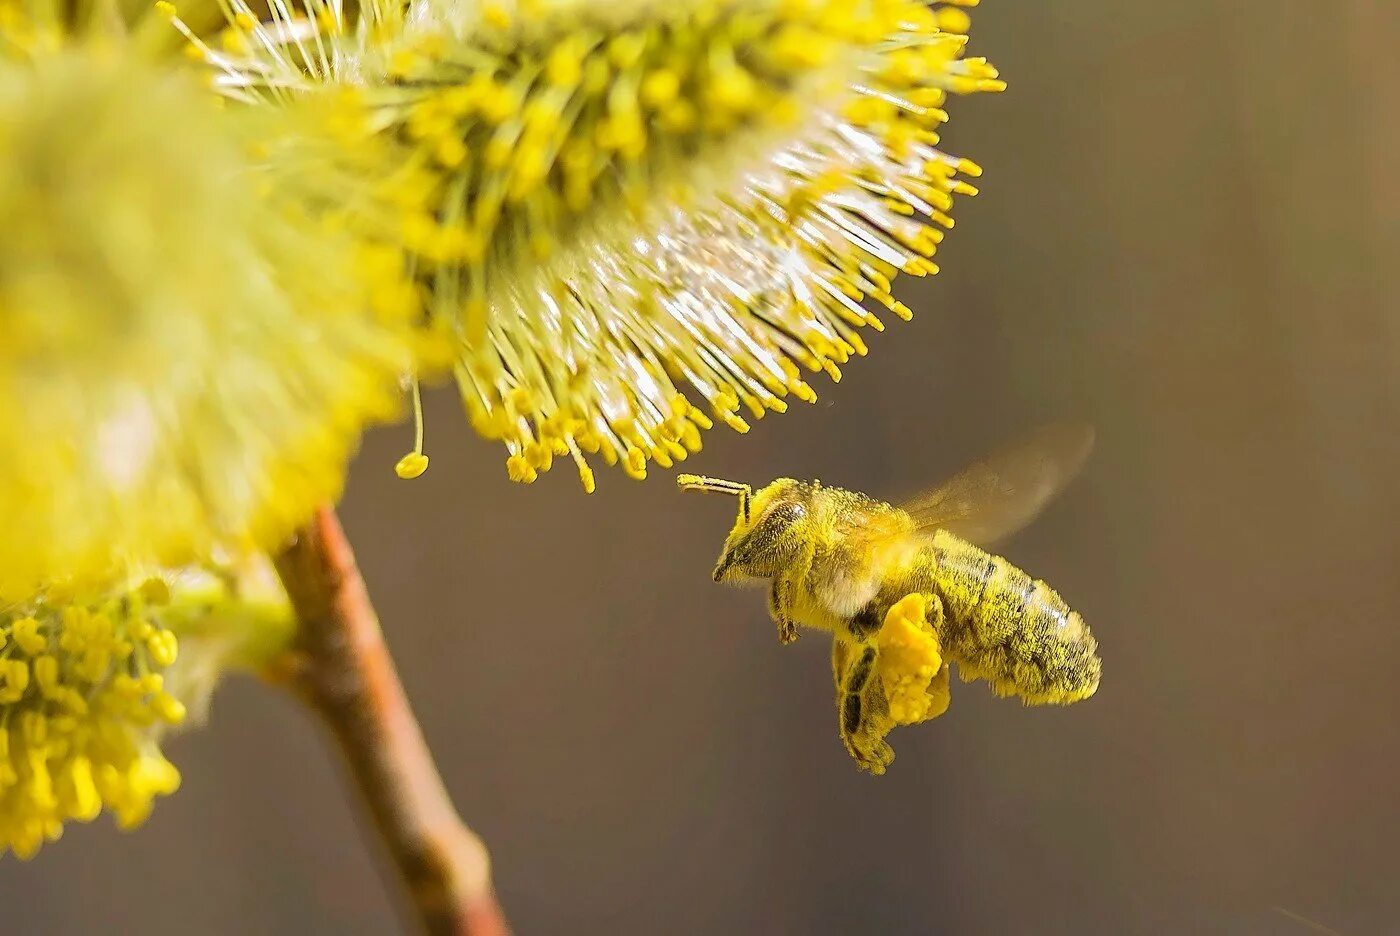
column 636, row 219
column 195, row 345
column 83, row 701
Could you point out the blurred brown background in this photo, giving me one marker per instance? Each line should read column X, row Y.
column 1188, row 236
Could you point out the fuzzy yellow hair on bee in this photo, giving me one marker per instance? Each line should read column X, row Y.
column 903, row 589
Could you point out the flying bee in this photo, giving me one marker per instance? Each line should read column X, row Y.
column 841, row 562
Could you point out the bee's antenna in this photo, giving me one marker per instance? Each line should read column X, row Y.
column 690, row 482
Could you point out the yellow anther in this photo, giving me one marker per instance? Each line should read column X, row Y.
column 162, row 647
column 734, row 421
column 26, row 634
column 690, row 437
column 496, row 15
column 660, row 88
column 969, row 168
column 497, row 102
column 450, row 151
column 681, row 117
column 635, row 462
column 234, row 41
column 411, row 465
column 801, row 47
column 14, row 680
column 126, row 685
column 733, row 89
column 154, row 591
column 78, row 792
column 539, row 455
column 626, row 49
column 564, row 67
column 168, row 708
column 520, row 470
column 699, row 418
column 46, row 673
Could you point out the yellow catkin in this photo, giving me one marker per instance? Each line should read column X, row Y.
column 615, row 205
column 83, row 701
column 91, row 680
column 197, row 344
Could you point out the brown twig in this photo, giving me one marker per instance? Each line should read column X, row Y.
column 342, row 668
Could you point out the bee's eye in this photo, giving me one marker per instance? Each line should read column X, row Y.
column 761, row 549
column 781, row 516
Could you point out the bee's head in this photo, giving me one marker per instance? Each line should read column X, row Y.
column 767, row 531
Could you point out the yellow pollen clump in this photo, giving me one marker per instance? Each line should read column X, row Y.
column 908, row 663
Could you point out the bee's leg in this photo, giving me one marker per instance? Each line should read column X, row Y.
column 780, row 606
column 862, row 710
column 866, row 622
column 840, row 661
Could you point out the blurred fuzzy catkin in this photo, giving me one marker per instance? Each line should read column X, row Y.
column 197, row 348
column 632, row 219
column 189, row 349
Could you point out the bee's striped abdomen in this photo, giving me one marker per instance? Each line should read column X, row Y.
column 1010, row 629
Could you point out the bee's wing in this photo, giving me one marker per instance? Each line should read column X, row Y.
column 999, row 495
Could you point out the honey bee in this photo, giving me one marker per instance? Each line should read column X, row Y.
column 841, row 562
